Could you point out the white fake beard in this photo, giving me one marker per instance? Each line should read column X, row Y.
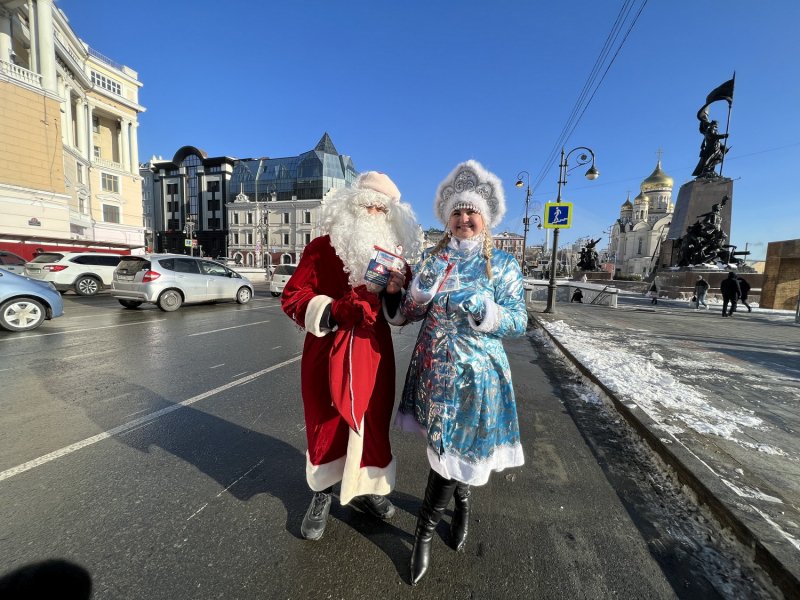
column 354, row 238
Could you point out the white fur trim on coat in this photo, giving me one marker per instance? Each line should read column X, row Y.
column 314, row 311
column 358, row 480
column 491, row 320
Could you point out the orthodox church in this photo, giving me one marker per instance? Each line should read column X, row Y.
column 642, row 225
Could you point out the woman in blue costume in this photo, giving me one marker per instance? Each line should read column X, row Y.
column 458, row 390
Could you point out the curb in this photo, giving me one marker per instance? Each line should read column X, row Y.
column 678, row 457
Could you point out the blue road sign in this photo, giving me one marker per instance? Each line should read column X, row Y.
column 558, row 215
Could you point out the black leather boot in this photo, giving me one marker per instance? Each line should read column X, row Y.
column 460, row 524
column 437, row 496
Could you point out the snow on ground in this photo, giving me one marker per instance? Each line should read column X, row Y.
column 646, row 382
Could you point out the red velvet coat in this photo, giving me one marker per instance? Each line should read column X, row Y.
column 346, row 375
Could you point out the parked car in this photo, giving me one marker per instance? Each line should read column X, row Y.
column 280, row 277
column 170, row 280
column 85, row 272
column 26, row 303
column 12, row 262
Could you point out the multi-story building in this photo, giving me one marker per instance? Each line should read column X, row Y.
column 184, row 202
column 68, row 137
column 273, row 203
column 511, row 243
column 254, row 211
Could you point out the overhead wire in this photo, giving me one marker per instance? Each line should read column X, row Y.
column 591, row 85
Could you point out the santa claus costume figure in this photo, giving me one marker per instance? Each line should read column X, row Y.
column 347, row 369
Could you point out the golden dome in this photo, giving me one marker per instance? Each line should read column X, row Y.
column 640, row 199
column 658, row 180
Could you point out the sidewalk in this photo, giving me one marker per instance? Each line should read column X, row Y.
column 718, row 399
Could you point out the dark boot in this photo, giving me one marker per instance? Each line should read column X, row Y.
column 460, row 524
column 316, row 516
column 378, row 506
column 437, row 496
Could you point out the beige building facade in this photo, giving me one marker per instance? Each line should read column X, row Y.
column 69, row 171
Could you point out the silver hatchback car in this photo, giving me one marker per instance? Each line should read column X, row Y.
column 170, row 280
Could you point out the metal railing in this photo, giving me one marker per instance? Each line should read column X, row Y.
column 105, row 59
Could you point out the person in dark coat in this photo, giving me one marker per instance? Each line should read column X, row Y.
column 577, row 296
column 745, row 288
column 730, row 293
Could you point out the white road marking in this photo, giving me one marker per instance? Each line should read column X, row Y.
column 197, row 512
column 227, row 328
column 276, row 347
column 37, row 462
column 66, row 331
column 240, row 478
column 217, row 366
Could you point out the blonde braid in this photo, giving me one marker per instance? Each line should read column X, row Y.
column 442, row 243
column 488, row 246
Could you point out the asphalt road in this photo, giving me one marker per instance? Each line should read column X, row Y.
column 164, row 452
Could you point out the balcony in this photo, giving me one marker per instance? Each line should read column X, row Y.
column 107, row 164
column 20, row 74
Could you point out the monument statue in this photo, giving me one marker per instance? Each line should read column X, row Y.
column 705, row 242
column 712, row 150
column 589, row 257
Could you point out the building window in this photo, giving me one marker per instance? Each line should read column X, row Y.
column 96, row 152
column 110, row 214
column 110, row 183
column 307, row 217
column 212, row 186
column 213, row 223
column 96, row 124
column 172, row 189
column 639, row 251
column 236, row 218
column 286, row 218
column 285, row 239
column 213, row 205
column 249, row 218
column 82, row 205
column 307, row 238
column 106, row 83
column 80, row 172
column 236, row 239
column 249, row 238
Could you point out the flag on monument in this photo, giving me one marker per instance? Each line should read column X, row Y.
column 723, row 92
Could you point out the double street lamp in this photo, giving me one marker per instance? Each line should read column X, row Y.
column 592, row 173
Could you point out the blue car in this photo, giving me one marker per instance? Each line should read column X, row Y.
column 26, row 303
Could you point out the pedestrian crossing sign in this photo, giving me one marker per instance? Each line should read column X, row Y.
column 558, row 215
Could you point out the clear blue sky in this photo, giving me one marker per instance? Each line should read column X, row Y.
column 412, row 88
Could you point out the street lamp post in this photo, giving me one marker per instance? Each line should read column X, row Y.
column 525, row 221
column 592, row 173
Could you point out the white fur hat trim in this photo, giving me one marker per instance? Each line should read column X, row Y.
column 379, row 182
column 471, row 186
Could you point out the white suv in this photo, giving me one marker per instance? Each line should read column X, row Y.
column 281, row 276
column 85, row 272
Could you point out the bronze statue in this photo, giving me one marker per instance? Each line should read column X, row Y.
column 589, row 257
column 712, row 150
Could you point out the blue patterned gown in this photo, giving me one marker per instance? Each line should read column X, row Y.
column 458, row 390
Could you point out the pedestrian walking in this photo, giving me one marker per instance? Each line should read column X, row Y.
column 730, row 293
column 744, row 287
column 577, row 296
column 653, row 293
column 700, row 291
column 347, row 370
column 458, row 392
